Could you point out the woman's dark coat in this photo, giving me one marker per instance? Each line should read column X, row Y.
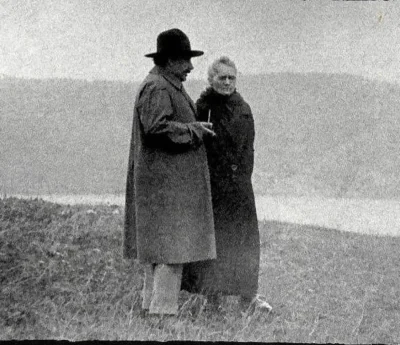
column 168, row 210
column 230, row 158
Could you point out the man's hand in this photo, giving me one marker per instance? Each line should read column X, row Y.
column 207, row 128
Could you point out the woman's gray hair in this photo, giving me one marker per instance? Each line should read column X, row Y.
column 213, row 69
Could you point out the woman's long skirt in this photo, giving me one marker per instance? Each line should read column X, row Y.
column 236, row 269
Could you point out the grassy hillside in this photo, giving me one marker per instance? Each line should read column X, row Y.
column 330, row 135
column 62, row 277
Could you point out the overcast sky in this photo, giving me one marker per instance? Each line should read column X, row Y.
column 107, row 39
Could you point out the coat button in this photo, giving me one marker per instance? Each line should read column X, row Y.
column 234, row 167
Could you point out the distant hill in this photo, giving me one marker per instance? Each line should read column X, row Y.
column 333, row 135
column 316, row 134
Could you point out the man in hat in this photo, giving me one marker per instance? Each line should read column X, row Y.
column 168, row 210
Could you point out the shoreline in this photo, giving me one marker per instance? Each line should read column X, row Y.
column 366, row 216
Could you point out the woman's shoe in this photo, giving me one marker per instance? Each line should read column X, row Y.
column 260, row 303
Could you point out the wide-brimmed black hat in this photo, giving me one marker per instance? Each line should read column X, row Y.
column 174, row 43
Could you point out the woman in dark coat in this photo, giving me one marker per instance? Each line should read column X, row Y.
column 230, row 158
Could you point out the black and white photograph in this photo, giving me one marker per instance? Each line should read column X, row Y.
column 215, row 170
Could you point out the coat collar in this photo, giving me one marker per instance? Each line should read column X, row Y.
column 168, row 76
column 174, row 82
column 209, row 98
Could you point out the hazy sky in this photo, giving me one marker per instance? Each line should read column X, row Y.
column 107, row 39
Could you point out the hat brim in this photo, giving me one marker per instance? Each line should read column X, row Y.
column 190, row 54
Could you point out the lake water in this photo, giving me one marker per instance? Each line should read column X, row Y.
column 367, row 216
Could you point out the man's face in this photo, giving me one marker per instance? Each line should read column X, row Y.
column 224, row 82
column 180, row 68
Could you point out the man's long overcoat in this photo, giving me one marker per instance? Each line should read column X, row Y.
column 231, row 160
column 168, row 210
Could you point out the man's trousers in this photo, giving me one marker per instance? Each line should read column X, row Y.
column 162, row 283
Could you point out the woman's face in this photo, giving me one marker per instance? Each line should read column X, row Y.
column 224, row 82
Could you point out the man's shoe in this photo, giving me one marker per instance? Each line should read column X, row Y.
column 143, row 313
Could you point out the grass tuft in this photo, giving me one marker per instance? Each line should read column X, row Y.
column 62, row 276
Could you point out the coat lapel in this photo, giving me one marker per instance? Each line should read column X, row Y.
column 179, row 86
